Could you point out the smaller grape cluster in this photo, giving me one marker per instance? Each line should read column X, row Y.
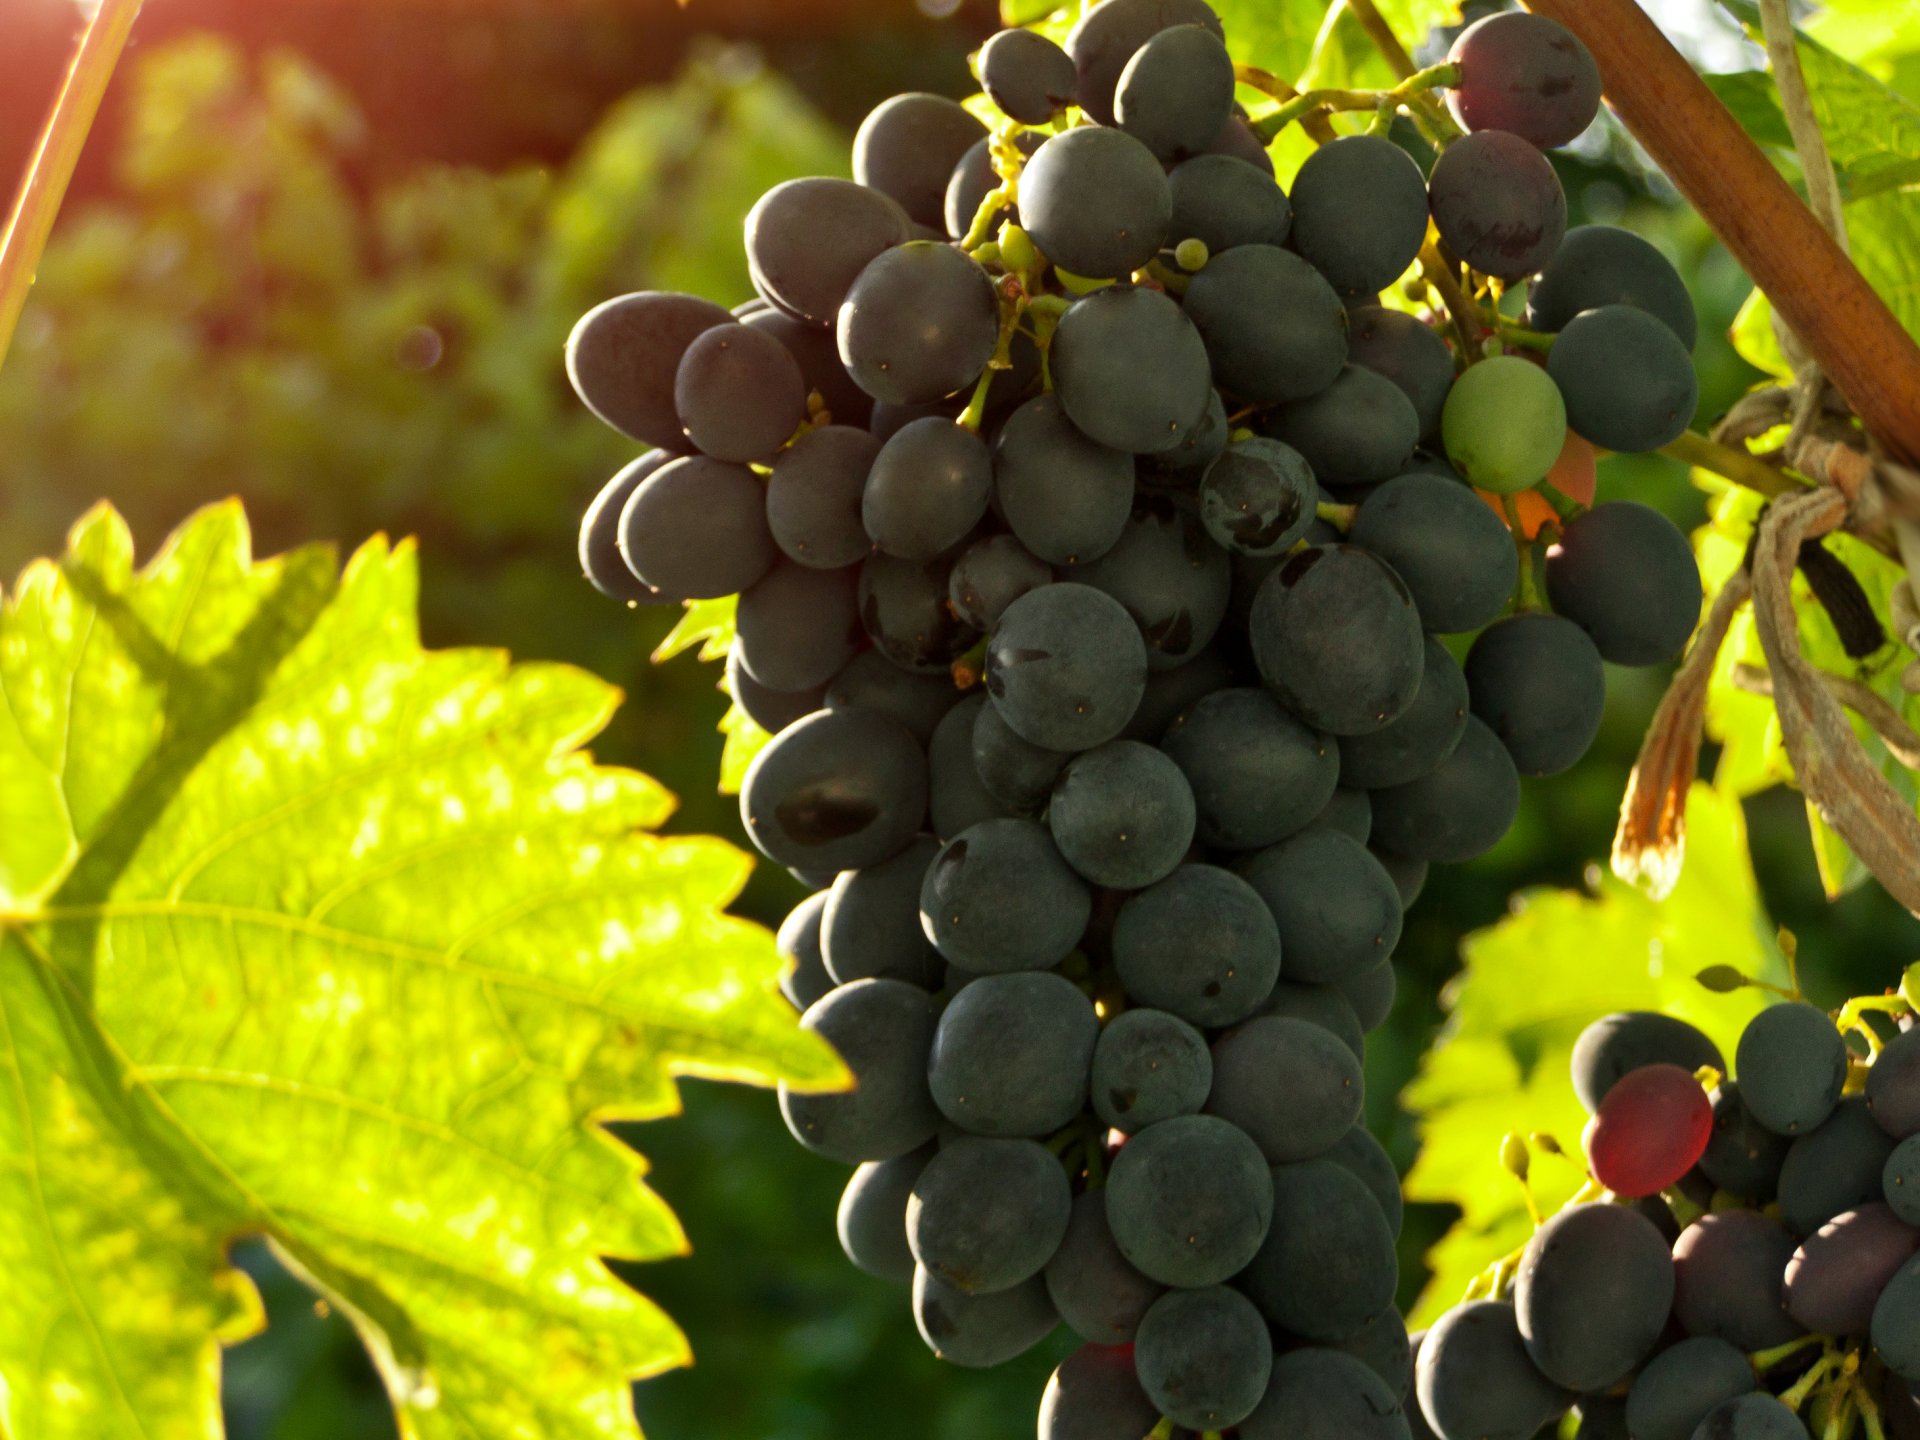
column 1744, row 1263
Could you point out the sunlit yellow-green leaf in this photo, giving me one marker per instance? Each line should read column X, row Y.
column 1530, row 985
column 310, row 934
column 705, row 623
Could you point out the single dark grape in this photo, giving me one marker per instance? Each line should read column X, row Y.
column 808, row 240
column 624, row 353
column 979, row 1332
column 1457, row 811
column 1274, row 329
column 903, row 606
column 974, row 179
column 1169, row 577
column 1323, row 1394
column 797, row 628
column 1099, row 1295
column 1183, row 465
column 1189, row 1200
column 871, row 925
column 1628, row 381
column 872, row 1219
column 1204, row 1355
column 1538, row 683
column 1016, row 772
column 1109, row 34
column 1421, row 738
column 987, row 1214
column 1066, row 667
column 870, row 681
column 804, row 977
column 1223, row 201
column 1837, row 1275
column 1028, row 76
column 1604, row 265
column 1475, row 1379
column 1893, row 1086
column 1170, row 693
column 1094, row 1394
column 957, row 800
column 883, row 1030
column 1360, row 1153
column 1149, row 1066
column 1324, row 1005
column 697, row 528
column 1065, row 497
column 920, row 323
column 1751, row 1417
column 1625, row 574
column 813, row 497
column 1593, row 1294
column 1896, row 1323
column 1348, row 812
column 1176, row 92
column 1123, row 815
column 1728, row 1267
column 1000, row 898
column 1292, row 1086
column 1258, row 775
column 1358, row 431
column 1372, row 992
column 1454, row 554
column 908, row 146
column 838, row 790
column 1096, row 202
column 1130, row 369
column 1334, row 904
column 1618, row 1044
column 1409, row 876
column 1498, row 204
column 1360, row 212
column 1012, row 1055
column 1743, row 1157
column 1834, row 1167
column 1327, row 1266
column 1791, row 1063
column 1337, row 638
column 1258, row 497
column 1900, row 1180
column 927, row 489
column 1201, row 944
column 1525, row 74
column 1682, row 1385
column 817, row 351
column 600, row 558
column 990, row 575
column 1408, row 352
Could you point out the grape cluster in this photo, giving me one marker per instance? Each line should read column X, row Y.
column 1788, row 1301
column 1092, row 524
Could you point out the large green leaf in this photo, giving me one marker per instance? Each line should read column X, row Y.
column 1530, row 985
column 310, row 934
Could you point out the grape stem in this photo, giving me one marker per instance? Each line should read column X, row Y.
column 54, row 158
column 1299, row 105
column 1162, row 1431
column 1764, row 1360
column 1337, row 515
column 1796, row 1397
column 1439, row 127
column 1564, row 505
column 1526, row 594
column 1744, row 469
column 1439, row 273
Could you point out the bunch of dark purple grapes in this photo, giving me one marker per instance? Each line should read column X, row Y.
column 1092, row 523
column 1744, row 1263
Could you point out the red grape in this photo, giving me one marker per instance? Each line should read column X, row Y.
column 1650, row 1131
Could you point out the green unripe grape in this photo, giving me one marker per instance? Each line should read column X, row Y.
column 1191, row 254
column 1504, row 424
column 1016, row 248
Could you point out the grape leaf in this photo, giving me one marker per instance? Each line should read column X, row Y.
column 1530, row 985
column 310, row 934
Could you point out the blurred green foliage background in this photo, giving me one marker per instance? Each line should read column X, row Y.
column 265, row 292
